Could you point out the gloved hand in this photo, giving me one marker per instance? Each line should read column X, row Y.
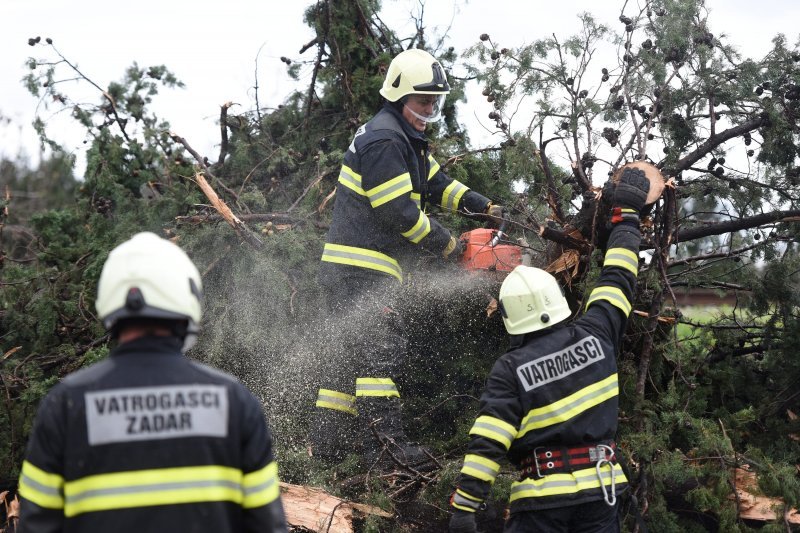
column 463, row 522
column 453, row 250
column 496, row 214
column 631, row 190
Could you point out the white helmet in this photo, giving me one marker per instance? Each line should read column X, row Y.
column 530, row 300
column 415, row 71
column 152, row 278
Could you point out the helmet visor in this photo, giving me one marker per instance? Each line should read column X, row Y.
column 426, row 107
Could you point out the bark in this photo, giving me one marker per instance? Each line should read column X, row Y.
column 720, row 228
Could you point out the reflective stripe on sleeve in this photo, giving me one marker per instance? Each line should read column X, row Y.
column 494, row 429
column 571, row 406
column 261, row 487
column 388, row 191
column 382, row 387
column 145, row 488
column 623, row 258
column 465, row 501
column 612, row 295
column 351, row 180
column 417, row 199
column 556, row 484
column 363, row 258
column 434, row 167
column 419, row 230
column 452, row 195
column 339, row 401
column 45, row 489
column 480, row 467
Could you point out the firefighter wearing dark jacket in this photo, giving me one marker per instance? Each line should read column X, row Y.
column 551, row 402
column 147, row 439
column 380, row 223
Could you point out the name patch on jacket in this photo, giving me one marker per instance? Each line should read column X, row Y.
column 560, row 364
column 166, row 412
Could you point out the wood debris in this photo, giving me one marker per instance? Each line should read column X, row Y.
column 757, row 507
column 316, row 510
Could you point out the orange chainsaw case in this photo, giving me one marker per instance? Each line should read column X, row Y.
column 479, row 255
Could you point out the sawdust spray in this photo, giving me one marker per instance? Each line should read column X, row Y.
column 277, row 336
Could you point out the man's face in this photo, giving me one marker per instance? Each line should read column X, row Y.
column 420, row 109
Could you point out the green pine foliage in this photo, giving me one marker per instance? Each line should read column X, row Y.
column 699, row 398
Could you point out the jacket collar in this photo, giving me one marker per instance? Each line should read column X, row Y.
column 150, row 345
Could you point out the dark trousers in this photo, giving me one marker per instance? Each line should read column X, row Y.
column 592, row 517
column 365, row 341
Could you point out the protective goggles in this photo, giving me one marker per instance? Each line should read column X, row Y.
column 426, row 107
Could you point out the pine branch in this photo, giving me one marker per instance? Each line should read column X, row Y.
column 712, row 142
column 721, row 228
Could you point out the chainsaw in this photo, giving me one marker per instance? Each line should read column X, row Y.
column 486, row 251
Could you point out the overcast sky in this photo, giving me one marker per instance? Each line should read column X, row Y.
column 212, row 47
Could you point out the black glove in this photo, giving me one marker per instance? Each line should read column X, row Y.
column 631, row 190
column 463, row 522
column 453, row 250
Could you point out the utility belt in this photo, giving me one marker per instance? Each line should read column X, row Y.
column 547, row 460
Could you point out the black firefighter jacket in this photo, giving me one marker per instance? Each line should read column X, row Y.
column 148, row 440
column 379, row 219
column 557, row 390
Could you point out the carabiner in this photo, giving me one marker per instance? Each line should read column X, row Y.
column 602, row 461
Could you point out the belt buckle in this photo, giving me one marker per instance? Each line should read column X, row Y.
column 536, row 461
column 548, row 454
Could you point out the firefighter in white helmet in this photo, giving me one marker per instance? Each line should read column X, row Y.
column 550, row 403
column 380, row 223
column 147, row 439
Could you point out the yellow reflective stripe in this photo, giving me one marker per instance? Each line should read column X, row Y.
column 386, row 192
column 480, row 467
column 419, row 230
column 351, row 180
column 623, row 258
column 383, row 387
column 339, row 401
column 362, row 257
column 465, row 501
column 571, row 406
column 417, row 199
column 434, row 167
column 494, row 429
column 613, row 295
column 455, row 503
column 40, row 487
column 452, row 195
column 261, row 487
column 556, row 484
column 144, row 488
column 468, row 496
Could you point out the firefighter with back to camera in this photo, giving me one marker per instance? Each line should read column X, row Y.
column 551, row 402
column 387, row 180
column 147, row 439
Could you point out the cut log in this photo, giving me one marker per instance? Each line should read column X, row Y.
column 316, row 510
column 651, row 172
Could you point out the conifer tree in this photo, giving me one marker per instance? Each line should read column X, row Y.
column 699, row 399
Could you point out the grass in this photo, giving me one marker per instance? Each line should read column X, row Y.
column 699, row 314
